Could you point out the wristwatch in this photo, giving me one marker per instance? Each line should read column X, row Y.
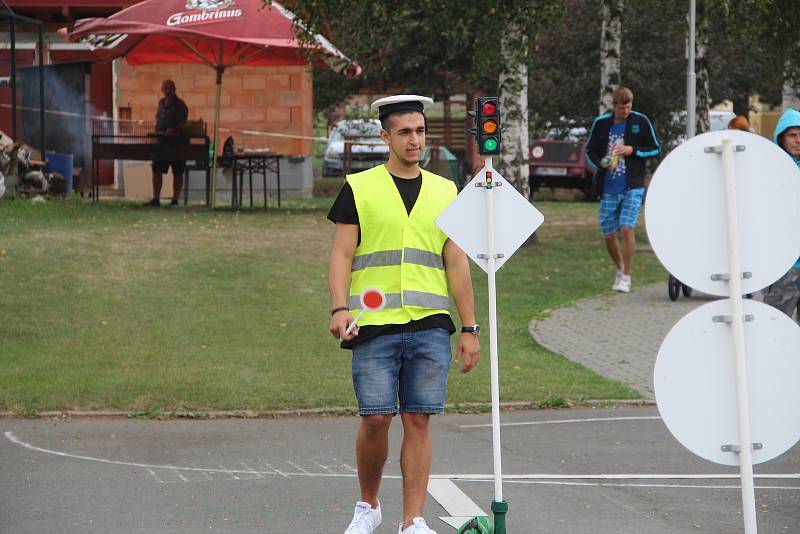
column 475, row 330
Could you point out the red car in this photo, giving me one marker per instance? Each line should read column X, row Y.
column 560, row 164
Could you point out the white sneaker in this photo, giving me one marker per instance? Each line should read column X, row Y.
column 624, row 285
column 617, row 277
column 418, row 526
column 365, row 519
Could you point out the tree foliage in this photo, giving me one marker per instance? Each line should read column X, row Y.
column 754, row 45
column 435, row 47
column 442, row 47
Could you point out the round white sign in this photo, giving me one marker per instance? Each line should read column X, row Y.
column 685, row 212
column 695, row 382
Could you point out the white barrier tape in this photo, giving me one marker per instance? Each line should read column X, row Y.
column 228, row 130
column 77, row 115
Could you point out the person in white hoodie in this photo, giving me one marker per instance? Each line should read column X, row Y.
column 785, row 293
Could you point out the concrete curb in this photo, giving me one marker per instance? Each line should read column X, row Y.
column 318, row 412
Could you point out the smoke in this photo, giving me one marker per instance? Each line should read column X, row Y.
column 65, row 90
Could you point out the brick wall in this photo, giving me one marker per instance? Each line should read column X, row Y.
column 271, row 99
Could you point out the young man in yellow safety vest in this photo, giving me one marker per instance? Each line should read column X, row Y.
column 386, row 238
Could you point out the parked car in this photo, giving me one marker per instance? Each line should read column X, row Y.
column 369, row 151
column 717, row 120
column 560, row 163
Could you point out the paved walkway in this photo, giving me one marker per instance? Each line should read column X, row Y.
column 617, row 335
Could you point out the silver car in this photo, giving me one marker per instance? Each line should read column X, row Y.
column 368, row 149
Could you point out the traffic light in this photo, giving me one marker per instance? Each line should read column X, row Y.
column 487, row 125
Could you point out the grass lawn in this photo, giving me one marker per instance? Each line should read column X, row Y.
column 125, row 308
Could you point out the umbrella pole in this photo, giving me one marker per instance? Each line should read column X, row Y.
column 220, row 69
column 214, row 146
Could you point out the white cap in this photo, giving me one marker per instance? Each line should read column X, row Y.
column 391, row 104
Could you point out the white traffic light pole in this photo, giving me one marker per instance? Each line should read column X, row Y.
column 495, row 373
column 499, row 507
column 471, row 221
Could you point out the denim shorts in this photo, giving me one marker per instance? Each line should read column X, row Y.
column 411, row 366
column 618, row 210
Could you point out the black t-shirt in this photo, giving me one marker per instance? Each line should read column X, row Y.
column 344, row 211
column 170, row 114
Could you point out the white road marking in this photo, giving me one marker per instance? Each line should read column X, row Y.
column 541, row 478
column 563, row 421
column 158, row 479
column 617, row 476
column 11, row 437
column 301, row 470
column 252, row 471
column 345, row 466
column 456, row 522
column 454, row 501
column 667, row 486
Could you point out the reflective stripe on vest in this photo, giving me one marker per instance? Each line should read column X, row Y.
column 382, row 258
column 411, row 298
column 400, row 253
column 385, row 258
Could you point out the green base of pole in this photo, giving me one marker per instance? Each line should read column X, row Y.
column 499, row 510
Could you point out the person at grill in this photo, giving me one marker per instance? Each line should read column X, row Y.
column 172, row 112
column 386, row 238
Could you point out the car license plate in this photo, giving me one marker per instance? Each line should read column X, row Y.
column 551, row 171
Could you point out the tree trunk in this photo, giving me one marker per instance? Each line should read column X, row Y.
column 703, row 93
column 741, row 105
column 790, row 97
column 514, row 162
column 791, row 90
column 610, row 47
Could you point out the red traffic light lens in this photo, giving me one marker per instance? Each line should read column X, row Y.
column 489, row 108
column 489, row 126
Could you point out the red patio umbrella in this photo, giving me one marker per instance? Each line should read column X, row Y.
column 219, row 33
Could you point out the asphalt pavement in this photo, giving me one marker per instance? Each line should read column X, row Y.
column 589, row 470
column 567, row 472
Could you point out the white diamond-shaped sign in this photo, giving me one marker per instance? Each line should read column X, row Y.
column 465, row 221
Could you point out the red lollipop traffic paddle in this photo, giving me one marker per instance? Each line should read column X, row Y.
column 372, row 299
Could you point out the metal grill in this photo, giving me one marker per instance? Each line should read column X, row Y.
column 139, row 132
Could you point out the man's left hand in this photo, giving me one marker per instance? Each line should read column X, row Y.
column 470, row 349
column 624, row 150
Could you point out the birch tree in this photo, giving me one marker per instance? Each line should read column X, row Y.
column 514, row 160
column 435, row 47
column 610, row 52
column 703, row 123
column 790, row 97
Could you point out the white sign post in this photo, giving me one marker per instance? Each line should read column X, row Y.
column 707, row 219
column 487, row 204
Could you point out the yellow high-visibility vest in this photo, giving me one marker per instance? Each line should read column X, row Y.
column 400, row 253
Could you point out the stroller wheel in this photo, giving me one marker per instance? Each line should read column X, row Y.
column 674, row 288
column 687, row 291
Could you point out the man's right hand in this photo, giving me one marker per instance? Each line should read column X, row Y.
column 339, row 323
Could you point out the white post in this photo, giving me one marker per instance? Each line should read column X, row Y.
column 691, row 77
column 737, row 330
column 498, row 470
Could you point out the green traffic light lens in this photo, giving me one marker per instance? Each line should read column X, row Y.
column 490, row 144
